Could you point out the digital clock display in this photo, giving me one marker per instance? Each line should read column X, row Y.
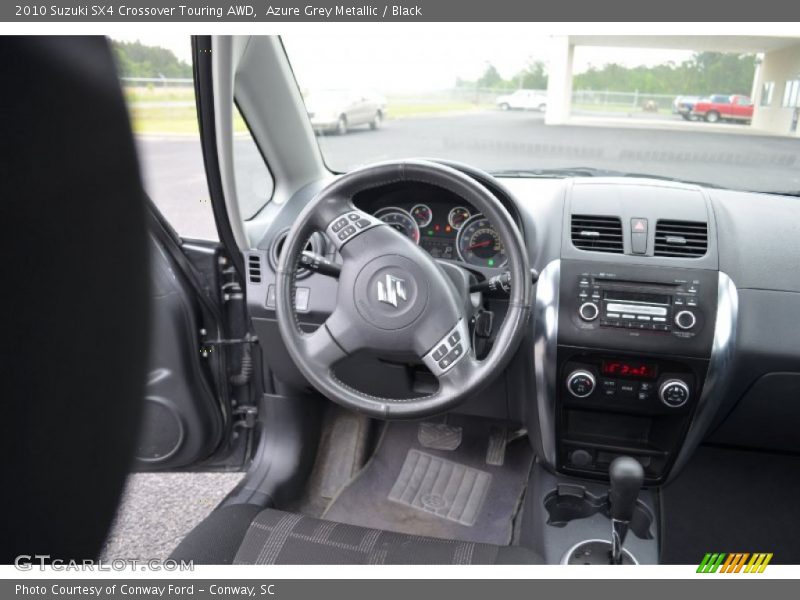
column 624, row 368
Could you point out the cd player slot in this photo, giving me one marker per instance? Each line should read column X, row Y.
column 641, row 309
column 611, row 281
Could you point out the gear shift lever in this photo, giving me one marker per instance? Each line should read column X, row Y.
column 626, row 476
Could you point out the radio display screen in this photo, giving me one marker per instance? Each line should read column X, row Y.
column 627, row 368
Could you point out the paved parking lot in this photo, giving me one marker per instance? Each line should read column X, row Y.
column 729, row 156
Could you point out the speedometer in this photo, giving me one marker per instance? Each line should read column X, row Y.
column 401, row 220
column 479, row 244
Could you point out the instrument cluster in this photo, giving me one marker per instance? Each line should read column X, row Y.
column 447, row 231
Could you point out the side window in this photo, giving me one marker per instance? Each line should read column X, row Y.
column 766, row 93
column 156, row 76
column 791, row 94
column 254, row 183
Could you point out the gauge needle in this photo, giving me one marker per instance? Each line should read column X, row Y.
column 480, row 244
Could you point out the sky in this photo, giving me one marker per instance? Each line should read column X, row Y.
column 422, row 61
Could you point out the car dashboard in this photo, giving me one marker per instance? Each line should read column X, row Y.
column 664, row 314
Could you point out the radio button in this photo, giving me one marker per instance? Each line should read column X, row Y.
column 588, row 311
column 685, row 319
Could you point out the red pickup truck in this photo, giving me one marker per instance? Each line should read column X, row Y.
column 718, row 107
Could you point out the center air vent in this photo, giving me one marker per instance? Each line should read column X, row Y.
column 598, row 234
column 685, row 239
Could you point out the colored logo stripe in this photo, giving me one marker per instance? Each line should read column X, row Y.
column 734, row 562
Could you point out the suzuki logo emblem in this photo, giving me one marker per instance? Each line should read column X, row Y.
column 391, row 289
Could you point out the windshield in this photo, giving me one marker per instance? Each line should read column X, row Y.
column 723, row 114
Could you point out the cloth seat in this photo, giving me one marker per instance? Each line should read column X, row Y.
column 248, row 534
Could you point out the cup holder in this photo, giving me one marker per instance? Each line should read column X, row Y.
column 569, row 502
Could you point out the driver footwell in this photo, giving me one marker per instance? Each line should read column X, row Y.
column 458, row 479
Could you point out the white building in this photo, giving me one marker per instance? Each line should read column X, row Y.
column 776, row 86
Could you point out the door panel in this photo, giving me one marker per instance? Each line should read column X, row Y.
column 182, row 422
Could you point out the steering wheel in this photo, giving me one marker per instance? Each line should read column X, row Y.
column 394, row 298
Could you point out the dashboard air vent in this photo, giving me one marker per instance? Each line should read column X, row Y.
column 597, row 233
column 685, row 239
column 316, row 244
column 254, row 268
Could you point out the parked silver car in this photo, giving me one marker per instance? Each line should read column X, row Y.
column 336, row 111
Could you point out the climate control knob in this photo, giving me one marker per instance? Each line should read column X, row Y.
column 588, row 311
column 685, row 319
column 674, row 393
column 581, row 383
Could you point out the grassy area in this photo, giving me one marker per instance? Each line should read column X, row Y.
column 172, row 119
column 159, row 94
column 150, row 112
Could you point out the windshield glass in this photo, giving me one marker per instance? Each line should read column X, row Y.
column 718, row 111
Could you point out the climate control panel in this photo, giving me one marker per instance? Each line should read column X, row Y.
column 640, row 385
column 611, row 404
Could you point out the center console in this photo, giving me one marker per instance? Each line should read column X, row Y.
column 632, row 346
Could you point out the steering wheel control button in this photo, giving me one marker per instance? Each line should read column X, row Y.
column 451, row 358
column 588, row 311
column 346, row 226
column 580, row 383
column 674, row 393
column 455, row 350
column 685, row 319
column 440, row 352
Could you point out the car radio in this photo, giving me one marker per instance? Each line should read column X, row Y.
column 649, row 305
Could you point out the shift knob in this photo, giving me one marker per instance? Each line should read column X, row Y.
column 627, row 476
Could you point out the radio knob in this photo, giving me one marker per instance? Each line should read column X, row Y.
column 581, row 383
column 674, row 393
column 685, row 319
column 588, row 311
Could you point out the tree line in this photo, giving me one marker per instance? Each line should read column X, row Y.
column 135, row 59
column 704, row 74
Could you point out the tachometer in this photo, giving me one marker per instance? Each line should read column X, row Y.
column 422, row 214
column 401, row 220
column 479, row 244
column 457, row 217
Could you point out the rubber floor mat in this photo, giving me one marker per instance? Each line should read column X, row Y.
column 442, row 487
column 451, row 494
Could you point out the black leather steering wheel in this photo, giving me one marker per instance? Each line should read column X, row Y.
column 393, row 298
